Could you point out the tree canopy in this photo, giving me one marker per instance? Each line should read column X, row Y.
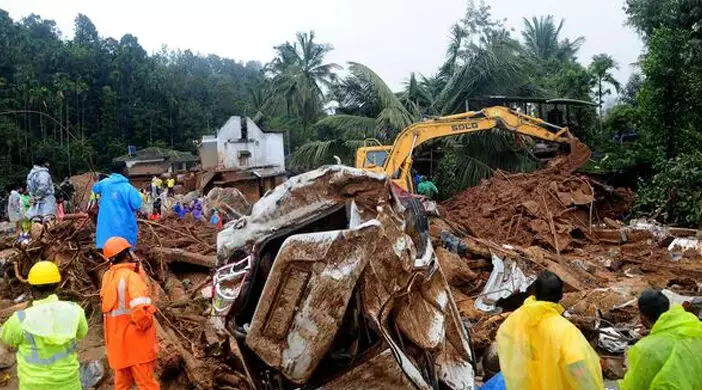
column 81, row 101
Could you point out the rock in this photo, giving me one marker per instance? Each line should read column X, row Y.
column 91, row 373
column 7, row 358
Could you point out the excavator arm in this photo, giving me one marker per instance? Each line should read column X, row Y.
column 398, row 163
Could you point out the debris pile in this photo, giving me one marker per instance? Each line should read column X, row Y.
column 551, row 208
column 177, row 255
column 498, row 236
column 490, row 244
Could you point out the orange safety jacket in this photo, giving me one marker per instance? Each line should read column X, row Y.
column 130, row 334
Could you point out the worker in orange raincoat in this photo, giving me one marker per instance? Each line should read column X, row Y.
column 130, row 332
column 539, row 349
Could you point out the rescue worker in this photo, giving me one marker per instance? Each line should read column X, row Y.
column 492, row 378
column 156, row 183
column 670, row 356
column 118, row 203
column 130, row 333
column 41, row 191
column 427, row 188
column 170, row 183
column 539, row 349
column 14, row 208
column 45, row 334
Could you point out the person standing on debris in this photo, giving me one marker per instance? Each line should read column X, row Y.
column 156, row 210
column 119, row 202
column 41, row 191
column 156, row 186
column 45, row 334
column 670, row 357
column 130, row 332
column 14, row 208
column 539, row 349
column 427, row 188
column 170, row 184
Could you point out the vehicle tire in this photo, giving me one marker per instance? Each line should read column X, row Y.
column 417, row 224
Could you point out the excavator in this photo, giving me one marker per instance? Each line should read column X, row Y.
column 396, row 160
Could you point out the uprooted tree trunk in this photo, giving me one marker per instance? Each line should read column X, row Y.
column 198, row 372
column 171, row 255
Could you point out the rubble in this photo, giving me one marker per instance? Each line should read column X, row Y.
column 180, row 313
column 490, row 243
column 569, row 224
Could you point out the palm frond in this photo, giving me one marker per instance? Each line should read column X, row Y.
column 317, row 153
column 349, row 126
column 387, row 98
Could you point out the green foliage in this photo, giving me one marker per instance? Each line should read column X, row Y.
column 649, row 15
column 82, row 101
column 542, row 40
column 674, row 194
column 317, row 153
column 300, row 77
column 664, row 98
column 600, row 69
column 445, row 177
column 621, row 118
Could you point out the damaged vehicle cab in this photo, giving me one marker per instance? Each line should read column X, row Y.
column 332, row 282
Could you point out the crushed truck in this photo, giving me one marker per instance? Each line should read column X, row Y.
column 331, row 283
column 332, row 280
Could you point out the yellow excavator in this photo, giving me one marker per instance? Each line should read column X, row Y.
column 396, row 160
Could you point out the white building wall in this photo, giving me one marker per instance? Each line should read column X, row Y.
column 266, row 149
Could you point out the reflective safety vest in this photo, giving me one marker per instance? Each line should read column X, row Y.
column 130, row 335
column 46, row 336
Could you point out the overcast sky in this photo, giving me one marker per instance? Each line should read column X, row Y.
column 393, row 37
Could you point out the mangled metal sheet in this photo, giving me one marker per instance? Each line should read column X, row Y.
column 507, row 278
column 306, row 295
column 301, row 199
column 421, row 314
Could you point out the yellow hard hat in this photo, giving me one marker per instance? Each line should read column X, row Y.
column 44, row 272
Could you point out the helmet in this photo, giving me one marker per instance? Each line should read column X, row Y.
column 115, row 246
column 44, row 272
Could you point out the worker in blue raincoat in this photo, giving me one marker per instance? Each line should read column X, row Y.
column 119, row 203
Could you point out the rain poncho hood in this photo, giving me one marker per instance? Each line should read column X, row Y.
column 46, row 335
column 53, row 320
column 669, row 357
column 119, row 202
column 539, row 349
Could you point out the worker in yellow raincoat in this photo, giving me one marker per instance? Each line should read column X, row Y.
column 539, row 349
column 46, row 334
column 670, row 357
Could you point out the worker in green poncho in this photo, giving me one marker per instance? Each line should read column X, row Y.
column 670, row 357
column 427, row 188
column 46, row 335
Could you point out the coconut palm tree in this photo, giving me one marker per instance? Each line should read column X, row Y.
column 601, row 69
column 301, row 77
column 542, row 40
column 367, row 109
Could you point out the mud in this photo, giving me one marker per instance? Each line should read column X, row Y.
column 549, row 208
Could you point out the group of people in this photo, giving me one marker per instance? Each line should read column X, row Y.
column 538, row 348
column 46, row 333
column 40, row 199
column 159, row 187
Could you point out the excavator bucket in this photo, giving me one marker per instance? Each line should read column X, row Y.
column 579, row 155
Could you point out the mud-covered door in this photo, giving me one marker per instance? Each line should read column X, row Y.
column 306, row 295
